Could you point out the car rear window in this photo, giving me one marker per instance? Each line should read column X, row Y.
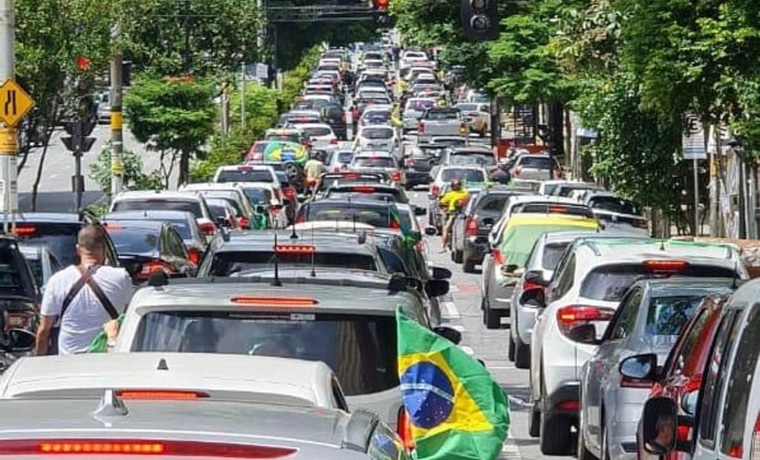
column 613, row 204
column 668, row 315
column 318, row 131
column 239, row 263
column 377, row 216
column 442, row 115
column 377, row 133
column 258, row 195
column 193, row 207
column 536, row 163
column 245, row 176
column 283, row 137
column 552, row 254
column 360, row 349
column 419, row 106
column 345, row 157
column 136, row 240
column 379, row 162
column 377, row 117
column 472, row 159
column 470, row 175
column 61, row 239
column 492, row 203
column 609, row 282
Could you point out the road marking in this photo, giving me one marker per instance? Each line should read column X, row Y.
column 510, row 450
column 450, row 310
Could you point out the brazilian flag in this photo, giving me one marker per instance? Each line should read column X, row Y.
column 410, row 237
column 457, row 411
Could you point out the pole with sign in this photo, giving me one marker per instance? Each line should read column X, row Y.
column 694, row 149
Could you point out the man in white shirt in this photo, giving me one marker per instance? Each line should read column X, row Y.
column 84, row 297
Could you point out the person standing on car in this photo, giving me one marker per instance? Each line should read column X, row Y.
column 452, row 201
column 82, row 298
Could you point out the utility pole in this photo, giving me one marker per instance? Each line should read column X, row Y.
column 117, row 134
column 242, row 95
column 78, row 142
column 8, row 137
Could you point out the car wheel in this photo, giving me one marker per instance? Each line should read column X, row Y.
column 511, row 352
column 492, row 318
column 468, row 266
column 555, row 437
column 456, row 256
column 534, row 422
column 522, row 355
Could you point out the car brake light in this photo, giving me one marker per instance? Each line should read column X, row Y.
column 498, row 256
column 435, row 190
column 570, row 405
column 404, row 429
column 517, row 171
column 294, row 249
column 162, row 395
column 573, row 316
column 527, row 286
column 557, row 210
column 252, row 301
column 472, row 226
column 421, row 127
column 755, row 454
column 334, row 141
column 25, row 230
column 208, row 228
column 244, row 168
column 151, row 267
column 665, row 266
column 131, row 447
column 289, row 193
column 244, row 223
column 194, row 255
column 640, row 223
column 397, row 176
column 364, row 189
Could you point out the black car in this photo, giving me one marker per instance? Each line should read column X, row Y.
column 376, row 214
column 19, row 294
column 469, row 234
column 418, row 164
column 335, row 116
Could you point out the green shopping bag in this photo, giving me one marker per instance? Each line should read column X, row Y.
column 100, row 343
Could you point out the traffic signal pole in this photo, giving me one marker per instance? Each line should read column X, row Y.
column 117, row 134
column 8, row 137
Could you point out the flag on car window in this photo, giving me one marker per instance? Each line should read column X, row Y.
column 410, row 237
column 455, row 408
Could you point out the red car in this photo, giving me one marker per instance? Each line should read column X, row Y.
column 681, row 375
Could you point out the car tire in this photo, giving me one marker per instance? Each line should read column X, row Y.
column 468, row 266
column 522, row 355
column 555, row 436
column 456, row 256
column 534, row 421
column 511, row 347
column 491, row 318
column 605, row 444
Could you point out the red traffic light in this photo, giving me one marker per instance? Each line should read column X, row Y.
column 381, row 4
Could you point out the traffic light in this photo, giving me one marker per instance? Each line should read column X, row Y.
column 480, row 19
column 380, row 4
column 78, row 140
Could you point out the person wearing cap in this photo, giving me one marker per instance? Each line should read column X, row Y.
column 452, row 201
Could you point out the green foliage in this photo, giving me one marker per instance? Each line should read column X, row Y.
column 134, row 177
column 172, row 115
column 295, row 79
column 229, row 151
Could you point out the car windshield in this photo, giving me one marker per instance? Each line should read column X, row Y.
column 668, row 315
column 345, row 157
column 609, row 283
column 377, row 216
column 420, row 106
column 318, row 131
column 135, row 240
column 377, row 133
column 181, row 225
column 245, row 175
column 442, row 115
column 61, row 239
column 193, row 207
column 360, row 349
column 374, row 162
column 218, row 210
column 552, row 253
column 613, row 204
column 258, row 195
column 536, row 163
column 240, row 262
column 473, row 159
column 469, row 175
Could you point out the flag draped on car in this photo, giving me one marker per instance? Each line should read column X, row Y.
column 456, row 409
column 410, row 237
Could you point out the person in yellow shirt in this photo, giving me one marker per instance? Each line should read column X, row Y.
column 452, row 201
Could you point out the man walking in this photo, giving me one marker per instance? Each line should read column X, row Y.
column 82, row 298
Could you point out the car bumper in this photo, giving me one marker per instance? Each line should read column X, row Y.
column 564, row 399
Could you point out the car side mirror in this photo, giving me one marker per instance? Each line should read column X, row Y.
column 536, row 277
column 441, row 273
column 431, row 231
column 449, row 333
column 533, row 298
column 20, row 340
column 659, row 426
column 639, row 367
column 437, row 288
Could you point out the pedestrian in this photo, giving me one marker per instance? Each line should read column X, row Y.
column 313, row 169
column 451, row 202
column 82, row 298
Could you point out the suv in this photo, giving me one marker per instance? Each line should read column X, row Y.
column 232, row 193
column 725, row 415
column 584, row 292
column 19, row 294
column 167, row 201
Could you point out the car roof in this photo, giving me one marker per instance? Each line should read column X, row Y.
column 247, row 167
column 153, row 225
column 210, row 186
column 275, row 380
column 161, row 194
column 520, row 199
column 147, row 214
column 627, row 250
column 312, row 433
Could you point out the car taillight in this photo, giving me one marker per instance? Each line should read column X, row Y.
column 755, row 454
column 208, row 228
column 421, row 127
column 396, row 176
column 498, row 256
column 527, row 286
column 570, row 405
column 133, row 447
column 472, row 226
column 334, row 141
column 289, row 193
column 665, row 266
column 463, row 129
column 153, row 266
column 517, row 171
column 435, row 190
column 404, row 429
column 573, row 316
column 301, row 219
column 244, row 223
column 194, row 255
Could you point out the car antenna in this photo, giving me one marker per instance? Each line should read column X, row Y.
column 313, row 256
column 276, row 281
column 294, row 235
column 735, row 284
column 662, row 244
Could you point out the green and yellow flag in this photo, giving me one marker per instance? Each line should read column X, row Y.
column 456, row 409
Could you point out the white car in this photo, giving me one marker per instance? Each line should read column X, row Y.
column 228, row 191
column 138, row 376
column 321, row 135
column 477, row 116
column 379, row 161
column 376, row 115
column 584, row 293
column 247, row 173
column 414, row 109
column 376, row 138
column 167, row 201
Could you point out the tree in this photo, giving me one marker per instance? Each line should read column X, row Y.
column 134, row 177
column 172, row 116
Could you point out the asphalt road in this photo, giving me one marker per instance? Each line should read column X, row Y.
column 462, row 311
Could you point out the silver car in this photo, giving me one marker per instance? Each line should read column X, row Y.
column 648, row 320
column 536, row 167
column 414, row 109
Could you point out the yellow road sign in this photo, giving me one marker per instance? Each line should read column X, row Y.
column 15, row 103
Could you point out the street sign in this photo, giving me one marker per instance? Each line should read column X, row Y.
column 694, row 147
column 15, row 103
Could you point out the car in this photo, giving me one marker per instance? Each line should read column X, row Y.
column 320, row 135
column 586, row 289
column 247, row 173
column 19, row 293
column 233, row 193
column 377, row 192
column 340, row 160
column 164, row 200
column 418, row 162
column 376, row 138
column 538, row 271
column 413, row 111
column 441, row 121
column 300, row 317
column 472, row 155
column 328, row 180
column 252, row 253
column 441, row 178
column 382, row 161
column 297, row 118
column 510, row 256
column 565, row 188
column 477, row 116
column 137, row 376
column 58, row 232
column 649, row 319
column 182, row 221
column 335, row 115
column 156, row 246
column 256, row 152
column 469, row 234
column 617, row 213
column 286, row 135
column 224, row 213
column 42, row 261
column 376, row 214
column 376, row 116
column 724, row 417
column 75, row 428
column 536, row 167
column 269, row 201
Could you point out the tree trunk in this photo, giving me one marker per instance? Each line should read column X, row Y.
column 184, row 168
